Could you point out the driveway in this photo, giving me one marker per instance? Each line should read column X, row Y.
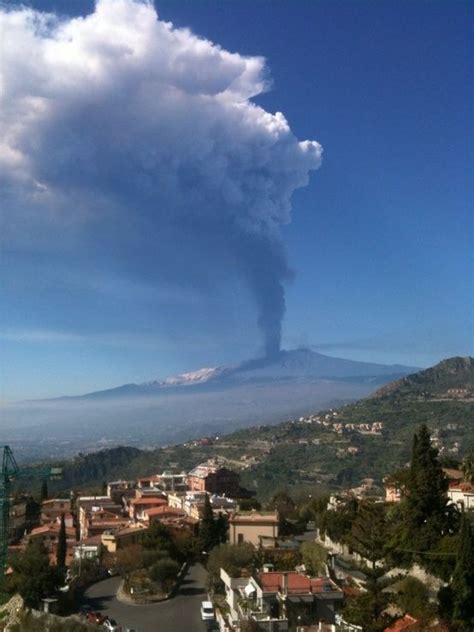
column 180, row 614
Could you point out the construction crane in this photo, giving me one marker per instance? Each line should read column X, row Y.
column 10, row 471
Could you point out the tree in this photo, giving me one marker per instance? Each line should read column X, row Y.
column 414, row 598
column 233, row 558
column 208, row 537
column 468, row 467
column 426, row 516
column 44, row 491
column 128, row 560
column 462, row 585
column 61, row 549
column 33, row 577
column 369, row 535
column 284, row 504
column 164, row 573
column 159, row 538
column 221, row 527
column 314, row 557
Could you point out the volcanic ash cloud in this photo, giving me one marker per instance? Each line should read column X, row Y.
column 143, row 139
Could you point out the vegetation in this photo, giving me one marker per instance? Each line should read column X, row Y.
column 33, row 577
column 314, row 558
column 233, row 558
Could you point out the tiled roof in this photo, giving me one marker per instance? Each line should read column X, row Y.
column 165, row 510
column 296, row 583
column 147, row 500
column 462, row 487
column 405, row 623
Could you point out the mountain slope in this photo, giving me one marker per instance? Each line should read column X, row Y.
column 336, row 451
column 298, row 364
column 454, row 373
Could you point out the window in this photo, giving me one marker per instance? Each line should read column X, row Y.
column 240, row 538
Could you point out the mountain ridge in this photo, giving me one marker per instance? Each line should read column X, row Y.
column 290, row 365
column 452, row 373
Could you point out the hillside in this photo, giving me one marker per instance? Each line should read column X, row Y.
column 325, row 451
column 435, row 382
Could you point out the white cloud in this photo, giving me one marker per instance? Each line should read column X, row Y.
column 121, row 130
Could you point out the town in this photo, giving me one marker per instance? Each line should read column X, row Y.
column 295, row 564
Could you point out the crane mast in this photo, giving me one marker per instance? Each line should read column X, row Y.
column 9, row 471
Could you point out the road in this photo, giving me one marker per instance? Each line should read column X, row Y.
column 180, row 614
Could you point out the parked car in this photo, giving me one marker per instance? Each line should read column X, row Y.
column 112, row 626
column 207, row 611
column 95, row 617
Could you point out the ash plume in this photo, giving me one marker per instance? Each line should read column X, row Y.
column 135, row 142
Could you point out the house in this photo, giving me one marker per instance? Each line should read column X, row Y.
column 281, row 600
column 300, row 597
column 23, row 516
column 138, row 506
column 145, row 482
column 213, row 478
column 168, row 481
column 126, row 536
column 54, row 508
column 88, row 549
column 462, row 495
column 163, row 514
column 89, row 509
column 259, row 528
column 243, row 596
column 48, row 535
column 116, row 490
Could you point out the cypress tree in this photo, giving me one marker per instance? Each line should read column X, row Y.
column 426, row 516
column 208, row 538
column 62, row 545
column 462, row 585
column 44, row 490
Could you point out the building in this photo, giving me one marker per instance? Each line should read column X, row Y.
column 116, row 490
column 215, row 479
column 54, row 508
column 168, row 481
column 281, row 600
column 139, row 506
column 89, row 549
column 92, row 509
column 462, row 495
column 126, row 536
column 259, row 528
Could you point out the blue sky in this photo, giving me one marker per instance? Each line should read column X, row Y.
column 379, row 243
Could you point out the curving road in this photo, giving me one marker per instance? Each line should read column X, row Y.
column 180, row 614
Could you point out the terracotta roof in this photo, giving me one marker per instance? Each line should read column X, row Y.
column 462, row 487
column 53, row 528
column 165, row 510
column 147, row 500
column 296, row 583
column 452, row 474
column 405, row 623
